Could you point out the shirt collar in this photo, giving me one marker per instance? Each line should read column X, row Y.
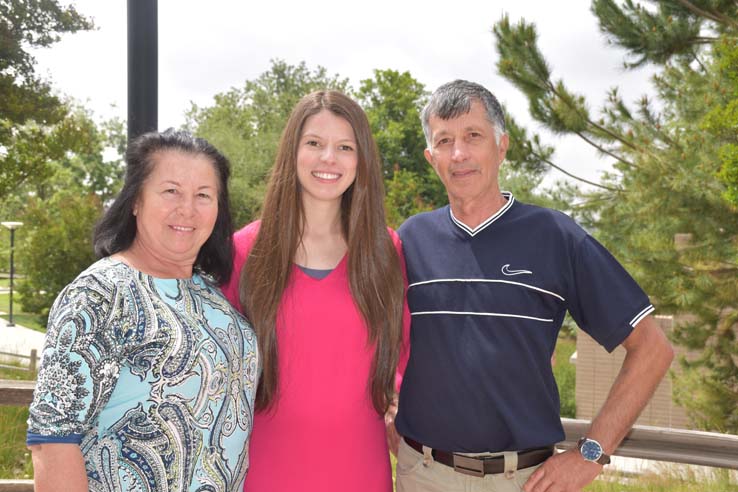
column 476, row 230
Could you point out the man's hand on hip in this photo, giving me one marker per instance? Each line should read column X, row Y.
column 563, row 472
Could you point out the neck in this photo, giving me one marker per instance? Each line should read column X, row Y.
column 322, row 244
column 146, row 261
column 473, row 212
column 322, row 219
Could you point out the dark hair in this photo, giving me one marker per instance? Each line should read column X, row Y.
column 455, row 98
column 374, row 268
column 117, row 228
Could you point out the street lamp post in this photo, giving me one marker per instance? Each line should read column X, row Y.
column 12, row 226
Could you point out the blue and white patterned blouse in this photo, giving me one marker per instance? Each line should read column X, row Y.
column 153, row 378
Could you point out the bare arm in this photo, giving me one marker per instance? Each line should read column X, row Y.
column 649, row 355
column 58, row 467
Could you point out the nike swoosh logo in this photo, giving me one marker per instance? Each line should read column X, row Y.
column 506, row 271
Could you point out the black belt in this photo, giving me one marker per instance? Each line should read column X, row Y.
column 483, row 465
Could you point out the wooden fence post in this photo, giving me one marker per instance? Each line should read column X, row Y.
column 32, row 365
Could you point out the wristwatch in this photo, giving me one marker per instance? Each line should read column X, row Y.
column 592, row 451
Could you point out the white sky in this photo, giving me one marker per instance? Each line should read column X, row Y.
column 207, row 47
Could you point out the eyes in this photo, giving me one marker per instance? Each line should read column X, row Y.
column 174, row 193
column 471, row 136
column 343, row 147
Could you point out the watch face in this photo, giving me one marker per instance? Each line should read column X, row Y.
column 591, row 450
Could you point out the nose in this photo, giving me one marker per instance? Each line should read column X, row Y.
column 459, row 152
column 327, row 155
column 186, row 206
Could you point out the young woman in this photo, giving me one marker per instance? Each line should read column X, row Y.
column 321, row 281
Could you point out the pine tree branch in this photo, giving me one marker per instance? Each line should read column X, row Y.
column 560, row 169
column 699, row 62
column 720, row 19
column 605, row 151
column 592, row 123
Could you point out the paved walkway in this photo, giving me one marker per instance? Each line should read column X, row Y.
column 19, row 340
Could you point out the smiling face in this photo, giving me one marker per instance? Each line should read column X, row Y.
column 176, row 209
column 466, row 156
column 327, row 157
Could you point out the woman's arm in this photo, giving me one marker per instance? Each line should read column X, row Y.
column 58, row 467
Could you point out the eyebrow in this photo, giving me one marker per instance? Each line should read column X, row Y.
column 315, row 135
column 177, row 183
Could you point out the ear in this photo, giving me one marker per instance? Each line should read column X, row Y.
column 502, row 148
column 429, row 157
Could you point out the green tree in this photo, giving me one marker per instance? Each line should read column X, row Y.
column 59, row 248
column 28, row 104
column 246, row 123
column 83, row 171
column 393, row 101
column 665, row 173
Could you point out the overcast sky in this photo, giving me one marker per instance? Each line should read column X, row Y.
column 207, row 47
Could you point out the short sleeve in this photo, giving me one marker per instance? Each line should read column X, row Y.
column 604, row 299
column 77, row 373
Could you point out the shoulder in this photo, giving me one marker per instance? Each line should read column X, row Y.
column 244, row 239
column 423, row 220
column 94, row 290
column 395, row 239
column 104, row 274
column 547, row 221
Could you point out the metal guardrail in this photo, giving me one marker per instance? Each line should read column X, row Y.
column 33, row 358
column 16, row 485
column 662, row 444
column 653, row 443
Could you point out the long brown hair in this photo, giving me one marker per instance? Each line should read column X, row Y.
column 374, row 270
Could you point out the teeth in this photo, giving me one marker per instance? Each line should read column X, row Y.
column 183, row 229
column 326, row 175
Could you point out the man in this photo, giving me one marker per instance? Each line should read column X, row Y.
column 490, row 280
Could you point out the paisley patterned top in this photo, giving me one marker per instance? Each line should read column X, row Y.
column 154, row 378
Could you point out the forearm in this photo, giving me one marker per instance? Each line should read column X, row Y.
column 58, row 468
column 649, row 355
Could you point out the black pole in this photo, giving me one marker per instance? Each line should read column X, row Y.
column 142, row 67
column 12, row 271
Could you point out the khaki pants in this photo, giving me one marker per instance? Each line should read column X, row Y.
column 415, row 473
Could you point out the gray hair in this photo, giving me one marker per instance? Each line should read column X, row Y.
column 454, row 99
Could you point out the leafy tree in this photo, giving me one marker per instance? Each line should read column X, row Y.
column 393, row 101
column 722, row 120
column 59, row 248
column 28, row 104
column 664, row 180
column 246, row 123
column 60, row 210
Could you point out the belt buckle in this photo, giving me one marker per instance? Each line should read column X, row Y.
column 468, row 465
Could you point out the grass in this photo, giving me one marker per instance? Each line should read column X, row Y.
column 668, row 478
column 15, row 459
column 29, row 320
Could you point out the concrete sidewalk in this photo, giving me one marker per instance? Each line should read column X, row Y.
column 19, row 340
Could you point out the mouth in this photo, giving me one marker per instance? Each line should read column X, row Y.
column 325, row 176
column 463, row 173
column 182, row 228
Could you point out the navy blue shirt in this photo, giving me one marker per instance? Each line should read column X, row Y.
column 487, row 305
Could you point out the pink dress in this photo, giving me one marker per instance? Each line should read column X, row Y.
column 323, row 434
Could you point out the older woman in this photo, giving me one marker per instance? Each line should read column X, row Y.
column 148, row 375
